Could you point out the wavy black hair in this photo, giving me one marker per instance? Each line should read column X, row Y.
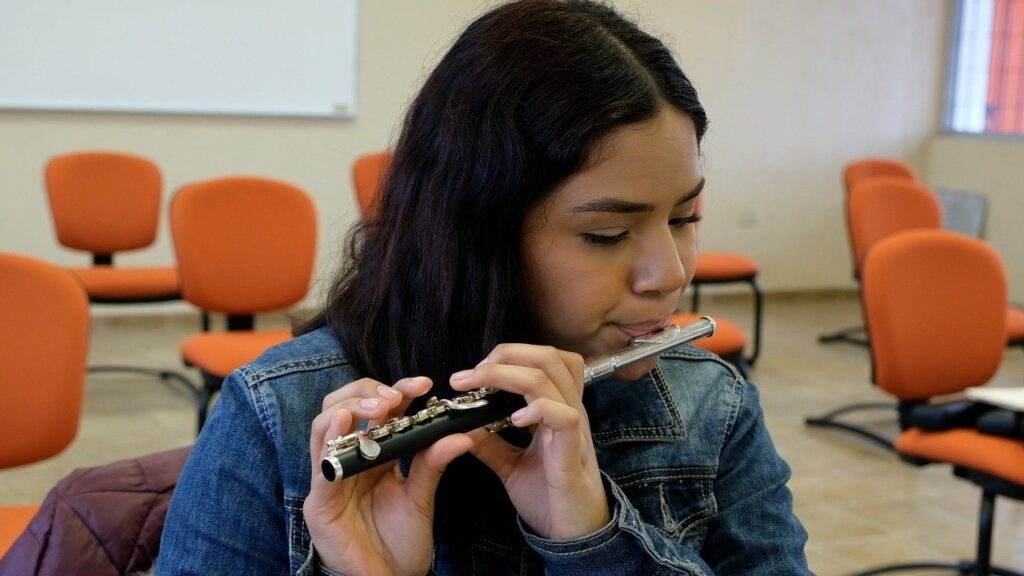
column 515, row 107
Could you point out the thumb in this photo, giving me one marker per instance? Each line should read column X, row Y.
column 427, row 467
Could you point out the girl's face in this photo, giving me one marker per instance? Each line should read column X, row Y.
column 609, row 252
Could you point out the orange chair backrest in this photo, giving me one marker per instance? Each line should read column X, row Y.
column 44, row 335
column 243, row 244
column 368, row 175
column 883, row 206
column 935, row 305
column 856, row 172
column 104, row 202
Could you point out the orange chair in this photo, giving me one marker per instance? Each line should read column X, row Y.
column 45, row 338
column 911, row 282
column 715, row 268
column 367, row 175
column 244, row 246
column 727, row 342
column 104, row 203
column 854, row 174
column 879, row 208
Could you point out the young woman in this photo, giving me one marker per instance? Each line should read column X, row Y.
column 539, row 210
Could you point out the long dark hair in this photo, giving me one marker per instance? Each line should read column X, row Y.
column 513, row 109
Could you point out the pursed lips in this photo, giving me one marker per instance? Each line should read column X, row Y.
column 643, row 328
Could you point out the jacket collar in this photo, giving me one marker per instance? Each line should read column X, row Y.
column 633, row 411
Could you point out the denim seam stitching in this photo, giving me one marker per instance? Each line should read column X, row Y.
column 638, row 482
column 296, row 535
column 706, row 471
column 666, row 396
column 693, row 353
column 584, row 550
column 707, row 513
column 291, row 366
column 649, row 432
column 495, row 548
column 734, row 409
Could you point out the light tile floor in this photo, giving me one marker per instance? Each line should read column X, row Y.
column 861, row 505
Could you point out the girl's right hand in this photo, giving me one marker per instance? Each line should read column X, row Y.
column 376, row 522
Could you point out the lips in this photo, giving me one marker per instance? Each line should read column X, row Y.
column 643, row 328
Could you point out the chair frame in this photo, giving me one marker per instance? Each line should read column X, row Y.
column 758, row 312
column 990, row 484
column 847, row 335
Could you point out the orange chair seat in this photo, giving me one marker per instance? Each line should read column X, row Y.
column 1002, row 457
column 727, row 340
column 220, row 353
column 1014, row 325
column 128, row 283
column 723, row 266
column 13, row 521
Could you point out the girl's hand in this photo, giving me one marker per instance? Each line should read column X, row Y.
column 554, row 483
column 376, row 522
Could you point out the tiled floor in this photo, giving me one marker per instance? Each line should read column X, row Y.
column 861, row 505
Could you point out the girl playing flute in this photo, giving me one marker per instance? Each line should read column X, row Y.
column 539, row 210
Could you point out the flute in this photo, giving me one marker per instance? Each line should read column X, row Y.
column 364, row 449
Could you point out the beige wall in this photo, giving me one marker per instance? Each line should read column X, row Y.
column 994, row 167
column 794, row 89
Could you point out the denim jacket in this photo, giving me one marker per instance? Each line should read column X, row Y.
column 694, row 482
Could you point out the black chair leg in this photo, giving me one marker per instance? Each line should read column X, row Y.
column 986, row 515
column 211, row 385
column 740, row 363
column 982, row 564
column 758, row 313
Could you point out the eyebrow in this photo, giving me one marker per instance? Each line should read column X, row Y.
column 625, row 207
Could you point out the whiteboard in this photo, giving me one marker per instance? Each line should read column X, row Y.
column 252, row 57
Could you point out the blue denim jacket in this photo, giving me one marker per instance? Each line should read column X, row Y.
column 695, row 483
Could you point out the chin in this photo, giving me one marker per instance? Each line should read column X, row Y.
column 638, row 370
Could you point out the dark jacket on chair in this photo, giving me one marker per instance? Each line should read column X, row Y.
column 100, row 521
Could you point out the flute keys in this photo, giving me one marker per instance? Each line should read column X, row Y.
column 341, row 444
column 368, row 448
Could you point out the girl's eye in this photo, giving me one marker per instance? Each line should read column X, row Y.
column 683, row 222
column 604, row 239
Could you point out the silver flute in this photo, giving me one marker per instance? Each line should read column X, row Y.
column 361, row 450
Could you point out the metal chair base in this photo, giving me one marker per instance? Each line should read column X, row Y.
column 163, row 375
column 847, row 336
column 962, row 568
column 829, row 420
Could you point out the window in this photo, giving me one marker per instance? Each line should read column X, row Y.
column 987, row 86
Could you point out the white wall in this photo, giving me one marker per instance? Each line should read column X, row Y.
column 794, row 89
column 994, row 167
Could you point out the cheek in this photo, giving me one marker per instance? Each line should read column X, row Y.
column 687, row 248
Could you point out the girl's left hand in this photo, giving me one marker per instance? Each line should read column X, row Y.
column 554, row 483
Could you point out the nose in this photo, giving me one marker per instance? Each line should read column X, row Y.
column 658, row 269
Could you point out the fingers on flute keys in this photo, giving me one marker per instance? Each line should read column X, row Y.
column 364, row 399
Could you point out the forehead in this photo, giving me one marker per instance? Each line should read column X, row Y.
column 653, row 161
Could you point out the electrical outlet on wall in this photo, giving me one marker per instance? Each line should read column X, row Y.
column 746, row 218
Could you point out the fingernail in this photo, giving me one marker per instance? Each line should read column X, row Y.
column 387, row 392
column 518, row 415
column 369, row 403
column 462, row 375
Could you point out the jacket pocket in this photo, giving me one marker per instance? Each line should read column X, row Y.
column 298, row 534
column 678, row 501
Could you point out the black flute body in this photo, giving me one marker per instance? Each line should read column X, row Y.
column 364, row 449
